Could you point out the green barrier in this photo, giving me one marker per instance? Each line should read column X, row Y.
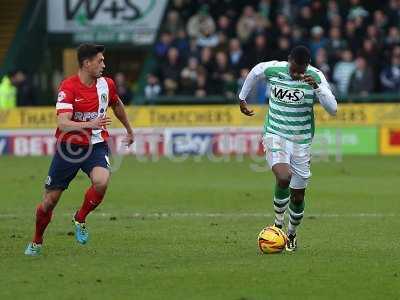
column 346, row 140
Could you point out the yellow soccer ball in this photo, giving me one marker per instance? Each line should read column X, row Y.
column 272, row 240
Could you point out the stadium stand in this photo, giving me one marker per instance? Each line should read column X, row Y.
column 10, row 14
column 205, row 49
column 208, row 48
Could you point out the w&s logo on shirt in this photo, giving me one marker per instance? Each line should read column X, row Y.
column 287, row 94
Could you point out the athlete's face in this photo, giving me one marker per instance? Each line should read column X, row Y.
column 297, row 71
column 95, row 66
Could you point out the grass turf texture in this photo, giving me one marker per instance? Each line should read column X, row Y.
column 348, row 245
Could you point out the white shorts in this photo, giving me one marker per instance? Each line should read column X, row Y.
column 297, row 156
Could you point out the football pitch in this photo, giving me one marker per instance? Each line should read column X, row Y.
column 188, row 230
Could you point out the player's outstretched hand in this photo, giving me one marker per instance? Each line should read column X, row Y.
column 129, row 139
column 101, row 122
column 245, row 110
column 310, row 80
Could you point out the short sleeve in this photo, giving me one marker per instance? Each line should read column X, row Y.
column 65, row 98
column 112, row 92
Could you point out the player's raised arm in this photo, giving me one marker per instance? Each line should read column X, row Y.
column 323, row 93
column 119, row 111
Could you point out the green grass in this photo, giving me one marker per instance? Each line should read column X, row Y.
column 204, row 246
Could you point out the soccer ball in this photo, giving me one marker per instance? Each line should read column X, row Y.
column 271, row 240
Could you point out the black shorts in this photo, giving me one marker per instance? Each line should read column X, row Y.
column 69, row 158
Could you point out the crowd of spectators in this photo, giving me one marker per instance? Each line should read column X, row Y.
column 208, row 47
column 17, row 89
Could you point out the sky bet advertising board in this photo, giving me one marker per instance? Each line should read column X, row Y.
column 196, row 141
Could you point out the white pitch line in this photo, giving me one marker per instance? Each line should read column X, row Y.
column 245, row 215
column 173, row 215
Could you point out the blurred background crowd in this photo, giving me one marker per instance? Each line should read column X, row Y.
column 205, row 49
column 209, row 48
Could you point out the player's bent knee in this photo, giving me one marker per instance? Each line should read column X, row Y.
column 100, row 178
column 283, row 183
column 50, row 199
column 48, row 205
column 283, row 179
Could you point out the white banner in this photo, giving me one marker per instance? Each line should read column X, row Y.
column 135, row 21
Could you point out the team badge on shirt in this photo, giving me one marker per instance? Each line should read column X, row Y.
column 61, row 96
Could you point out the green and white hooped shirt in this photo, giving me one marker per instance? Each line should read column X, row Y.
column 290, row 113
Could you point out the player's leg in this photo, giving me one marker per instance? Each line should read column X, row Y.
column 281, row 193
column 300, row 167
column 296, row 209
column 94, row 195
column 96, row 167
column 296, row 213
column 44, row 213
column 61, row 172
column 278, row 159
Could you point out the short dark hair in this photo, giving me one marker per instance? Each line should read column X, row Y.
column 88, row 51
column 300, row 55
